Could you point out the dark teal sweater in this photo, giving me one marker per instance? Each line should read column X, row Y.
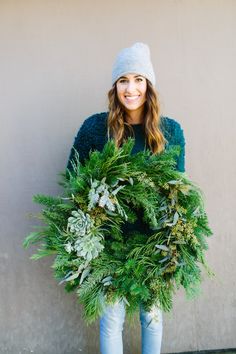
column 93, row 135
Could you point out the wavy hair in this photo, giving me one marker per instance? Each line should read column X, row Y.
column 119, row 129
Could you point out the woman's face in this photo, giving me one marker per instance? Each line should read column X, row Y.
column 131, row 92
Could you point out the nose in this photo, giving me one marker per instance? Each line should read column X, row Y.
column 130, row 86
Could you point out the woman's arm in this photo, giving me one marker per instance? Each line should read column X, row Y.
column 180, row 140
column 175, row 136
column 82, row 144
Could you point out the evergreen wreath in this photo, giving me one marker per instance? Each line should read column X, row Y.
column 83, row 229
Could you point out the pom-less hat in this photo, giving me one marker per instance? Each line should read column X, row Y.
column 136, row 60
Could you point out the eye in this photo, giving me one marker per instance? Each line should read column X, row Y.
column 139, row 79
column 122, row 81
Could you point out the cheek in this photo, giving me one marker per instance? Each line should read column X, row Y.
column 144, row 89
column 118, row 89
column 120, row 93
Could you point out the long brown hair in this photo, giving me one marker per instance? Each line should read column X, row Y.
column 118, row 128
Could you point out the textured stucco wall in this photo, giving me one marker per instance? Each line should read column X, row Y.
column 55, row 67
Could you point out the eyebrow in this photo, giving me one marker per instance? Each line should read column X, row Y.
column 125, row 77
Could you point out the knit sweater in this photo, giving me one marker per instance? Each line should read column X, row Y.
column 93, row 136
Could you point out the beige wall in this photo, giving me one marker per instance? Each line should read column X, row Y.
column 55, row 70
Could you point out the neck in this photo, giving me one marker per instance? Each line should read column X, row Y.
column 134, row 117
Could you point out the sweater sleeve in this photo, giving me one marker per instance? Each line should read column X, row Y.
column 180, row 140
column 83, row 143
column 174, row 135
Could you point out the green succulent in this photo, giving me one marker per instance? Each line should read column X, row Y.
column 88, row 247
column 79, row 223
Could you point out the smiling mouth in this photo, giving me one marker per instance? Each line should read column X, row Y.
column 132, row 98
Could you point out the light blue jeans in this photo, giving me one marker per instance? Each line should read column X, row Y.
column 111, row 327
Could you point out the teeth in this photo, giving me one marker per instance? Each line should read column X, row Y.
column 131, row 97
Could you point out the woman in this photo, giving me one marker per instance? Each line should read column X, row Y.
column 134, row 111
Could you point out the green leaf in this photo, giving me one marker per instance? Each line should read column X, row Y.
column 42, row 253
column 84, row 274
column 162, row 247
column 176, row 218
column 73, row 276
column 33, row 238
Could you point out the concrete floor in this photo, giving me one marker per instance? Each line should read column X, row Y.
column 220, row 351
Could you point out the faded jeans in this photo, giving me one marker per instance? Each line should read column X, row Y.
column 111, row 327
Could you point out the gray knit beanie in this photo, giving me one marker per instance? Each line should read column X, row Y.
column 136, row 60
